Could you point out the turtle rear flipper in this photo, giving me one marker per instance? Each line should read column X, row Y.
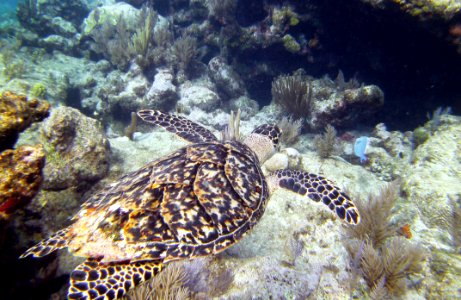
column 57, row 241
column 178, row 125
column 95, row 280
column 318, row 189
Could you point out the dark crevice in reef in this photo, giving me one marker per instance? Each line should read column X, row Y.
column 417, row 69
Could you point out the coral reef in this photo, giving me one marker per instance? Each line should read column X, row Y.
column 383, row 258
column 184, row 51
column 228, row 82
column 437, row 161
column 325, row 144
column 196, row 96
column 21, row 171
column 162, row 94
column 38, row 90
column 293, row 94
column 77, row 151
column 324, row 101
column 16, row 114
column 291, row 129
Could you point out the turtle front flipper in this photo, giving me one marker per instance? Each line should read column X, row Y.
column 57, row 241
column 317, row 188
column 178, row 125
column 95, row 280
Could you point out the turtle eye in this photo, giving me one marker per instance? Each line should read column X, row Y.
column 272, row 131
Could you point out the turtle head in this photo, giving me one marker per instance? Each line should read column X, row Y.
column 264, row 141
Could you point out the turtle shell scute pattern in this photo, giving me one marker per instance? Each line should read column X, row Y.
column 194, row 202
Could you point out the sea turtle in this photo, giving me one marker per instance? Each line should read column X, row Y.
column 195, row 202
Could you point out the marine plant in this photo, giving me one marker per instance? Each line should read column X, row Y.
column 14, row 69
column 436, row 117
column 184, row 51
column 325, row 144
column 38, row 90
column 27, row 12
column 290, row 43
column 291, row 129
column 221, row 10
column 112, row 42
column 293, row 94
column 377, row 253
column 420, row 135
column 168, row 285
column 130, row 129
column 143, row 37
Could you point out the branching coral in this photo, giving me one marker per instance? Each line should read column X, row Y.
column 375, row 214
column 168, row 285
column 293, row 94
column 325, row 144
column 112, row 42
column 130, row 129
column 184, row 51
column 291, row 129
column 143, row 37
column 383, row 258
column 221, row 10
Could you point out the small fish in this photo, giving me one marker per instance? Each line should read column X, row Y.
column 405, row 231
column 360, row 148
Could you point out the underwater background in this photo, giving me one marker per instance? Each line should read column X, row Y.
column 367, row 93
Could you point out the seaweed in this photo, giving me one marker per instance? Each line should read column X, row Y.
column 325, row 144
column 377, row 253
column 293, row 94
column 221, row 10
column 291, row 129
column 112, row 42
column 375, row 213
column 143, row 37
column 130, row 129
column 184, row 51
column 168, row 285
column 436, row 117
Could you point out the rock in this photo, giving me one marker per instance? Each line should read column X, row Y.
column 63, row 27
column 227, row 81
column 432, row 180
column 294, row 158
column 425, row 10
column 124, row 90
column 16, row 114
column 248, row 107
column 21, row 171
column 162, row 94
column 56, row 42
column 197, row 96
column 276, row 162
column 110, row 13
column 342, row 107
column 40, row 16
column 77, row 151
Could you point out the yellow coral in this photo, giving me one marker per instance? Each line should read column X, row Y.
column 16, row 114
column 21, row 171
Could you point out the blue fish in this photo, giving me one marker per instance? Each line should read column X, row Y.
column 360, row 148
